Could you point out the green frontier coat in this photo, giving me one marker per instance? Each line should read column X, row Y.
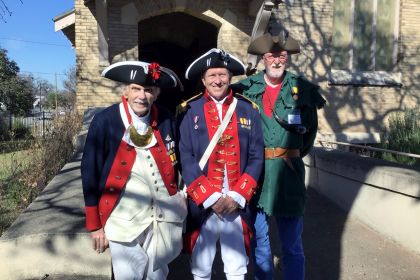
column 283, row 190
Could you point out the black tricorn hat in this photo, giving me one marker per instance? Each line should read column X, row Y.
column 141, row 73
column 269, row 43
column 214, row 58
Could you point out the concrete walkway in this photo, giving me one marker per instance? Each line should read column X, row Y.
column 337, row 248
column 48, row 241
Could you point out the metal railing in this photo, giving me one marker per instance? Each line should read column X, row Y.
column 321, row 142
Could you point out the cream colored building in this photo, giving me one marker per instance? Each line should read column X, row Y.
column 363, row 54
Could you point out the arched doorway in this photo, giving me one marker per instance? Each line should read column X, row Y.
column 175, row 40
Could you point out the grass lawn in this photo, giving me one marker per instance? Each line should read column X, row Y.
column 11, row 164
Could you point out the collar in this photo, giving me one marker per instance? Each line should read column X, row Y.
column 228, row 99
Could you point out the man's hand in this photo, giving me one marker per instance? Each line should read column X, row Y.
column 230, row 205
column 218, row 206
column 99, row 240
column 225, row 205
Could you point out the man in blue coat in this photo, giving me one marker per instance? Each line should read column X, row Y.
column 221, row 153
column 129, row 176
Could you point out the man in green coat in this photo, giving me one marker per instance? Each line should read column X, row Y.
column 288, row 107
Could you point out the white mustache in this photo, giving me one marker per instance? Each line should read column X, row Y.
column 141, row 102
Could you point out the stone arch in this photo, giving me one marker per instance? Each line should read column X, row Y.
column 175, row 40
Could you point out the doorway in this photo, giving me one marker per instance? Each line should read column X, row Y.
column 175, row 40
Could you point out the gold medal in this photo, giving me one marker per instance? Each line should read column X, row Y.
column 138, row 139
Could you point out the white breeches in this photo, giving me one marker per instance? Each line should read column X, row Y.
column 130, row 260
column 229, row 232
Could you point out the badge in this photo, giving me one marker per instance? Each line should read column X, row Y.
column 245, row 123
column 168, row 138
column 294, row 117
column 295, row 92
column 195, row 122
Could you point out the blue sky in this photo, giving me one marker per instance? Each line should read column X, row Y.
column 32, row 21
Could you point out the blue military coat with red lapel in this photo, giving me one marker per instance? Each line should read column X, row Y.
column 107, row 161
column 240, row 149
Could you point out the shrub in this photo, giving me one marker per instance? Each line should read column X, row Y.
column 30, row 170
column 404, row 136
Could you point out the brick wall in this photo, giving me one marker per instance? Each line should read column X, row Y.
column 349, row 109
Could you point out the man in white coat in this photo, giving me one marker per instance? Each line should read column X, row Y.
column 129, row 176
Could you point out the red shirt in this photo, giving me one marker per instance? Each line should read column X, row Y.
column 269, row 99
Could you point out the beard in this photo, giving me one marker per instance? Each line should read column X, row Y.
column 275, row 72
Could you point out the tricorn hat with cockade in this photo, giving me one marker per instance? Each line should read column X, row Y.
column 141, row 73
column 214, row 58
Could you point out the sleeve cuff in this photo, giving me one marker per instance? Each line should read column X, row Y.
column 246, row 186
column 93, row 221
column 238, row 198
column 211, row 200
column 200, row 190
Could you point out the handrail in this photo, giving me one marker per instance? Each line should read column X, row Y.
column 370, row 148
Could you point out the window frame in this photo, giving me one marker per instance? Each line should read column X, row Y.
column 350, row 76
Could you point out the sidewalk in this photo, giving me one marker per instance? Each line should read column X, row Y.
column 49, row 239
column 337, row 248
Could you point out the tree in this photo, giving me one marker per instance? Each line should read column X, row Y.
column 70, row 81
column 15, row 92
column 69, row 91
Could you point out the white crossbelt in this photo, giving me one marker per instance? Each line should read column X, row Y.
column 218, row 134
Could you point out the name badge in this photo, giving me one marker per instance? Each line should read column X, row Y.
column 294, row 117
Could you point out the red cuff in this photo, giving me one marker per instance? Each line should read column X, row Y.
column 200, row 190
column 93, row 222
column 245, row 186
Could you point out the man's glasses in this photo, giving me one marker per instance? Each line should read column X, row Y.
column 282, row 58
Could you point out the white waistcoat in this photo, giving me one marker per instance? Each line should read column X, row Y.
column 145, row 201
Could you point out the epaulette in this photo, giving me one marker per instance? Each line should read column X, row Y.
column 181, row 108
column 254, row 105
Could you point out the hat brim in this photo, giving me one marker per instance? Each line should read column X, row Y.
column 267, row 43
column 214, row 58
column 137, row 72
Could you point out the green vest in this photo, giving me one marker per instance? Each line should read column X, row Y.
column 283, row 189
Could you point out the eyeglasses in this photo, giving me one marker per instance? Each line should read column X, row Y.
column 270, row 57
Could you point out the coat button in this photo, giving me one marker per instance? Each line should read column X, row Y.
column 118, row 177
column 129, row 148
column 111, row 189
column 106, row 202
column 123, row 162
column 155, row 182
column 160, row 215
column 100, row 213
